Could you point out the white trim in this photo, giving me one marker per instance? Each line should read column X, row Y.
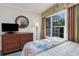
column 51, row 28
column 57, row 26
column 66, row 25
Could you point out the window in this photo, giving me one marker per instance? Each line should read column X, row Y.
column 48, row 26
column 55, row 25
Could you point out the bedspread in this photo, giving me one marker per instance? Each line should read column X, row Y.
column 35, row 47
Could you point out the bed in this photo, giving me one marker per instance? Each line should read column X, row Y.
column 35, row 47
column 67, row 48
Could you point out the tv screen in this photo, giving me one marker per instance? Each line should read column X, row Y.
column 9, row 27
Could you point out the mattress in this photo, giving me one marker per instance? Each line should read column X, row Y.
column 68, row 48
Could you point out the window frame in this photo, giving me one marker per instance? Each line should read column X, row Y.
column 65, row 11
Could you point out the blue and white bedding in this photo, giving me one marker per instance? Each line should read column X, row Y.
column 35, row 47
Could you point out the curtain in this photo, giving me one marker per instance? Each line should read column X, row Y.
column 42, row 34
column 71, row 24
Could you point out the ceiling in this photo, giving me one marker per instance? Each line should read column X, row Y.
column 30, row 7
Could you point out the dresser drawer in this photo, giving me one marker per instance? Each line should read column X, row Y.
column 11, row 47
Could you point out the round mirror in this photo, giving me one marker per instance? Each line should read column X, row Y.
column 22, row 21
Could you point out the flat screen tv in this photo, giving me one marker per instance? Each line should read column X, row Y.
column 8, row 27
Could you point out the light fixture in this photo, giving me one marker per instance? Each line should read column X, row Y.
column 36, row 26
column 37, row 30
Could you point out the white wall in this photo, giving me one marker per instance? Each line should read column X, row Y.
column 8, row 15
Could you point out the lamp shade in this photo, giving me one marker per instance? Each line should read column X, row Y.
column 36, row 25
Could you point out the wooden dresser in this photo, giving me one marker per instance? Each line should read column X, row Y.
column 14, row 42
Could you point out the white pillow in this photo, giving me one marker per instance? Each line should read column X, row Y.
column 39, row 42
column 50, row 38
column 57, row 38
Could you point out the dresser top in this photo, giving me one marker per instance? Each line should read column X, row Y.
column 18, row 33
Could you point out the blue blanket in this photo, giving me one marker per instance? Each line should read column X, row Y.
column 41, row 46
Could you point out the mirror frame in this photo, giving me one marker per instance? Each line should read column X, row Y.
column 22, row 26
